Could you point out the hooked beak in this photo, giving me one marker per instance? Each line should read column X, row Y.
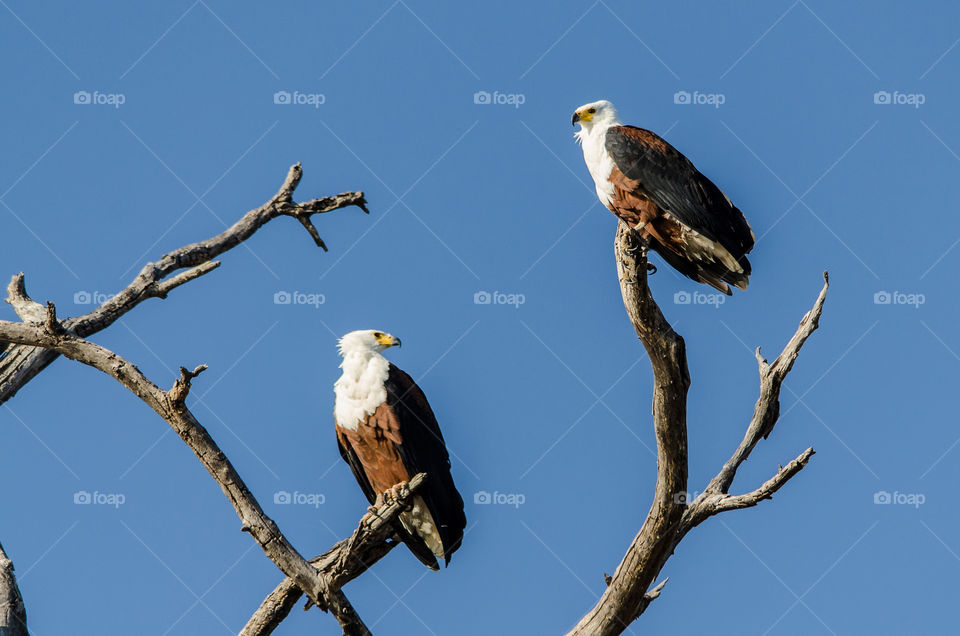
column 575, row 119
column 388, row 340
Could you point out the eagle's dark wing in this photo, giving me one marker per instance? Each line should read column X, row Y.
column 672, row 182
column 424, row 451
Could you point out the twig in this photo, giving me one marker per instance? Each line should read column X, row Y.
column 19, row 364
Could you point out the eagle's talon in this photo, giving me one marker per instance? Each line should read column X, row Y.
column 651, row 268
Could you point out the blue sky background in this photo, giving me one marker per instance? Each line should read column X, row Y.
column 548, row 400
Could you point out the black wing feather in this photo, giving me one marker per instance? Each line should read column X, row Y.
column 424, row 451
column 671, row 181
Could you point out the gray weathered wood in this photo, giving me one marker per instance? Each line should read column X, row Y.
column 13, row 616
column 21, row 363
column 671, row 516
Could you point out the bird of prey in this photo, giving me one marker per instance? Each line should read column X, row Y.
column 659, row 193
column 387, row 433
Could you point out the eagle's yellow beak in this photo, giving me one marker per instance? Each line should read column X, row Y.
column 387, row 340
column 581, row 115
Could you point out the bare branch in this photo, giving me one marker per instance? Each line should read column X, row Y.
column 170, row 406
column 19, row 364
column 625, row 599
column 628, row 591
column 26, row 307
column 767, row 409
column 13, row 615
column 342, row 563
column 769, row 487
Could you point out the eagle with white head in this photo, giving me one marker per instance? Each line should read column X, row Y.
column 658, row 192
column 388, row 433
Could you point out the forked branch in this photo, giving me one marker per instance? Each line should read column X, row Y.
column 20, row 363
column 671, row 517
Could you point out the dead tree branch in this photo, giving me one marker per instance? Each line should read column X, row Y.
column 670, row 518
column 51, row 334
column 342, row 563
column 13, row 616
column 20, row 363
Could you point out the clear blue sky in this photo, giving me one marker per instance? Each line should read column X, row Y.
column 549, row 399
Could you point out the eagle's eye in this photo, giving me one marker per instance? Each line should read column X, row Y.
column 378, row 334
column 592, row 111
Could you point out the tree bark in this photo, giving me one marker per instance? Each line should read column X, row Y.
column 672, row 516
column 13, row 616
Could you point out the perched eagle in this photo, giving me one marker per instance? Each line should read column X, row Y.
column 657, row 191
column 388, row 433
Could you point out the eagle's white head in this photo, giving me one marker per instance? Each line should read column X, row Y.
column 360, row 389
column 366, row 341
column 596, row 116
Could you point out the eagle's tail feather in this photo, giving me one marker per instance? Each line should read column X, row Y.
column 418, row 547
column 712, row 273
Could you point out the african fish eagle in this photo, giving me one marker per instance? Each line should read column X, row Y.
column 658, row 192
column 387, row 433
